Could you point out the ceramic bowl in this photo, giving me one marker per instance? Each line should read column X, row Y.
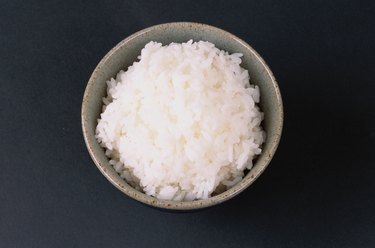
column 126, row 52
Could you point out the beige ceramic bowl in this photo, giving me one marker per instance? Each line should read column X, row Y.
column 126, row 52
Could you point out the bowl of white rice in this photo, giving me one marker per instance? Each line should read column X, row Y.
column 182, row 116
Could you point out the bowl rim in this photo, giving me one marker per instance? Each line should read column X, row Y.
column 184, row 205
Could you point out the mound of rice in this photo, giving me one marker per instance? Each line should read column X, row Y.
column 182, row 121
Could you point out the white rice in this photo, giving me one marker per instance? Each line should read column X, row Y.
column 182, row 121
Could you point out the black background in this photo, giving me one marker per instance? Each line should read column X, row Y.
column 319, row 190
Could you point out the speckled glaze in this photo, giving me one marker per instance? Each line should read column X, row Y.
column 126, row 52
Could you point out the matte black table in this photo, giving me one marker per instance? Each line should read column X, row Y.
column 319, row 190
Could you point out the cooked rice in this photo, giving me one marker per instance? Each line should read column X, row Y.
column 182, row 121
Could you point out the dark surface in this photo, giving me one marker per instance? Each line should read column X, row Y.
column 319, row 190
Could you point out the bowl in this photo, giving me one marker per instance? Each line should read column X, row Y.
column 126, row 52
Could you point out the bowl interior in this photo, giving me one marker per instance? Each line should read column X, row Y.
column 126, row 52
